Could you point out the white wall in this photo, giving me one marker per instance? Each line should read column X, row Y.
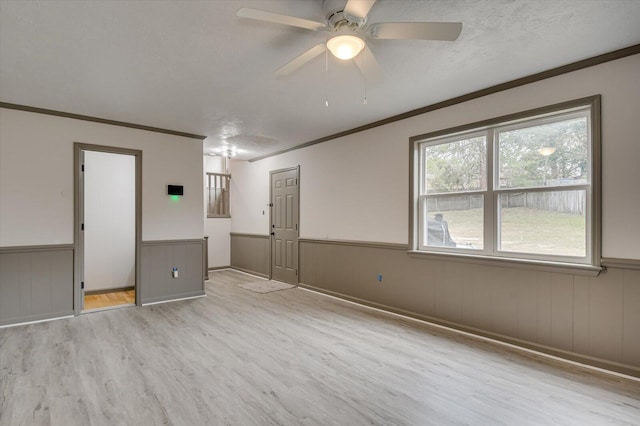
column 217, row 228
column 36, row 178
column 110, row 221
column 356, row 187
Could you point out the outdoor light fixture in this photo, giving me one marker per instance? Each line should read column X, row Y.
column 345, row 46
column 546, row 151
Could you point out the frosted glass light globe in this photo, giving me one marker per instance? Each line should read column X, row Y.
column 345, row 46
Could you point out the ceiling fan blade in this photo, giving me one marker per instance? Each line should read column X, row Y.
column 444, row 31
column 300, row 60
column 369, row 67
column 358, row 8
column 276, row 18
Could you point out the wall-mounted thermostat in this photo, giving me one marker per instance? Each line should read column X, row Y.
column 175, row 189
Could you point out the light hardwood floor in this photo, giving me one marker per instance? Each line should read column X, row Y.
column 289, row 357
column 105, row 300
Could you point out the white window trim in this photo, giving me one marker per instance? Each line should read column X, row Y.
column 590, row 264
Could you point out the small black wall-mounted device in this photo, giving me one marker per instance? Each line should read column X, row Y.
column 175, row 189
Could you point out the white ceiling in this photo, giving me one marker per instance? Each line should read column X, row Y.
column 193, row 66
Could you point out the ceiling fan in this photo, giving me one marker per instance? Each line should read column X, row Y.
column 348, row 25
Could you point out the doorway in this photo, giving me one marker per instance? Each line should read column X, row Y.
column 108, row 223
column 285, row 211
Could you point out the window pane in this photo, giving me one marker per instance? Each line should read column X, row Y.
column 454, row 222
column 456, row 166
column 218, row 195
column 550, row 154
column 551, row 223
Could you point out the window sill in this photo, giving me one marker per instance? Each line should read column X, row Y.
column 538, row 265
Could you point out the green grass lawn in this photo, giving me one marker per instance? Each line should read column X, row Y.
column 523, row 230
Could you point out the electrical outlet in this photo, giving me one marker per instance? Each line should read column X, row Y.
column 379, row 278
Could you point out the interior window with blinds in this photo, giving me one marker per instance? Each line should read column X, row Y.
column 218, row 185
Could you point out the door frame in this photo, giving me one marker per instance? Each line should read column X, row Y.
column 271, row 173
column 78, row 240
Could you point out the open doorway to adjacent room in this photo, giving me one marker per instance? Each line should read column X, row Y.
column 107, row 228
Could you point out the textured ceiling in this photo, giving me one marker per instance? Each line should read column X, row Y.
column 193, row 66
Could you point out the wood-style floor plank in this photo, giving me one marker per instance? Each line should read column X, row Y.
column 289, row 357
column 106, row 300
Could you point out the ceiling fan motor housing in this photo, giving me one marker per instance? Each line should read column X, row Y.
column 338, row 19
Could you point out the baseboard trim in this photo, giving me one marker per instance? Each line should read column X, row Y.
column 108, row 308
column 33, row 319
column 553, row 355
column 159, row 300
column 244, row 272
column 250, row 272
column 218, row 268
column 172, row 298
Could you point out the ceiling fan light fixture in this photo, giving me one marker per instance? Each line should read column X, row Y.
column 345, row 46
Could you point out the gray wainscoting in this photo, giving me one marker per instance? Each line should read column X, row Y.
column 36, row 283
column 251, row 253
column 158, row 258
column 595, row 320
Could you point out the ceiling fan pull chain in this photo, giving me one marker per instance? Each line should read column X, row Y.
column 364, row 102
column 326, row 80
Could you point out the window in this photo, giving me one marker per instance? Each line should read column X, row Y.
column 519, row 187
column 218, row 185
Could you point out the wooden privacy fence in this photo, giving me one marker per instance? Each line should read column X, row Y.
column 572, row 202
column 456, row 202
